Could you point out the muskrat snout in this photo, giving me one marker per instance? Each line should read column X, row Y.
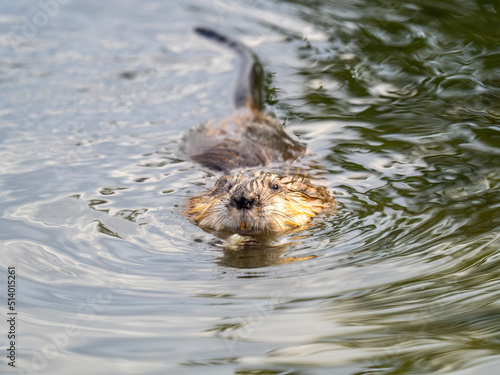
column 242, row 203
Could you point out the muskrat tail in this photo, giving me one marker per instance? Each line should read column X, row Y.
column 247, row 91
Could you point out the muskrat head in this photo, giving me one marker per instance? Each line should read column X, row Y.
column 258, row 203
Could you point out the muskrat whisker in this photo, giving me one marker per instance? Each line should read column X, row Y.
column 198, row 185
column 277, row 222
column 212, row 175
column 282, row 214
column 179, row 227
column 219, row 165
column 287, row 164
column 222, row 217
column 200, row 214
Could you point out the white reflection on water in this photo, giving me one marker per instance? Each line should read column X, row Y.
column 400, row 116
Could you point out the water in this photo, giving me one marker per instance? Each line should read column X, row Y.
column 399, row 104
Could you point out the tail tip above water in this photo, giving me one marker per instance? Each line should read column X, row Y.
column 209, row 33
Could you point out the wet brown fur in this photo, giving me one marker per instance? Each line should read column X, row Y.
column 251, row 202
column 259, row 203
column 247, row 139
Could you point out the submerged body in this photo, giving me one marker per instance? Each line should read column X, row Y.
column 250, row 202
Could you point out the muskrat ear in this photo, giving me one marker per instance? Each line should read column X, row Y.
column 225, row 182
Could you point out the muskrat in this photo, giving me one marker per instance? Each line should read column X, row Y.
column 250, row 202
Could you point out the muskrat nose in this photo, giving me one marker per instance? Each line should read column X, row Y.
column 244, row 204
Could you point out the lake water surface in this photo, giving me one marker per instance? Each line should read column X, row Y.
column 399, row 102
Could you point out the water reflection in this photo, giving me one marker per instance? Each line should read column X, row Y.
column 259, row 255
column 258, row 258
column 399, row 103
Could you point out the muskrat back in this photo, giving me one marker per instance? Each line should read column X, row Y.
column 249, row 138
